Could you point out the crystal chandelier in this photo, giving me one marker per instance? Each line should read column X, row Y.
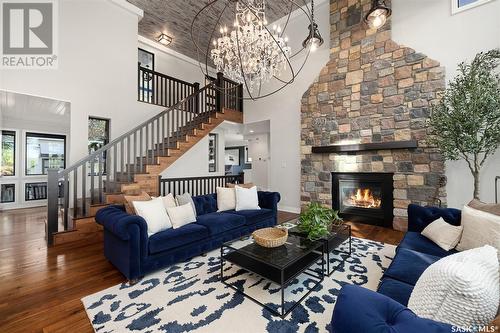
column 250, row 53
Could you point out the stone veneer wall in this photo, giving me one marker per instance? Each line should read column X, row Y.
column 371, row 90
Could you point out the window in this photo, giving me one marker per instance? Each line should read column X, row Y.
column 146, row 84
column 8, row 193
column 98, row 138
column 146, row 59
column 44, row 151
column 35, row 191
column 458, row 6
column 8, row 167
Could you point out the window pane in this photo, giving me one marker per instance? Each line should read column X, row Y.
column 44, row 151
column 35, row 191
column 8, row 193
column 8, row 167
column 462, row 3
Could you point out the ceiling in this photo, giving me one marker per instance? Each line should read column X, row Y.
column 174, row 18
column 14, row 106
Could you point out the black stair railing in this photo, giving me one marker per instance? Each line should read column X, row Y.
column 161, row 89
column 196, row 185
column 71, row 191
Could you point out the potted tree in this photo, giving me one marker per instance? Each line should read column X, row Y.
column 316, row 221
column 465, row 124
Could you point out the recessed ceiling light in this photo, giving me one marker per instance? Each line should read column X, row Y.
column 164, row 39
column 251, row 131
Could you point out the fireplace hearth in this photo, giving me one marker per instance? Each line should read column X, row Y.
column 364, row 197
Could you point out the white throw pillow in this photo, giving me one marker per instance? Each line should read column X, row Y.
column 246, row 198
column 169, row 201
column 445, row 235
column 226, row 198
column 181, row 215
column 154, row 213
column 480, row 228
column 461, row 289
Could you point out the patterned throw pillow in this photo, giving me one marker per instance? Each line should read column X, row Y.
column 185, row 198
column 129, row 207
column 461, row 289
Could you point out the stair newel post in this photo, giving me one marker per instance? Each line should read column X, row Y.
column 52, row 204
column 219, row 92
column 66, row 201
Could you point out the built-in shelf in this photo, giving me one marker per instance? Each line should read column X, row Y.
column 364, row 146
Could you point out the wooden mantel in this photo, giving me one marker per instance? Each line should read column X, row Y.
column 364, row 147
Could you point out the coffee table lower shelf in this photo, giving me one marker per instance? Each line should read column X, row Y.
column 281, row 276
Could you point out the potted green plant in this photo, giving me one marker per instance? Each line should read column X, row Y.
column 316, row 220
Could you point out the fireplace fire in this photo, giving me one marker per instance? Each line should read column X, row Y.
column 364, row 197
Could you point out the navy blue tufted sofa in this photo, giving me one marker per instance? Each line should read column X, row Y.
column 361, row 310
column 128, row 247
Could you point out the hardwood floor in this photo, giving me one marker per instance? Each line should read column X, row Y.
column 41, row 288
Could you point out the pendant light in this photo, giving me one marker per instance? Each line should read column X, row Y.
column 377, row 15
column 314, row 39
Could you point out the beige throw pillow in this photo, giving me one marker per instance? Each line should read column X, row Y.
column 480, row 228
column 445, row 235
column 226, row 199
column 129, row 207
column 181, row 215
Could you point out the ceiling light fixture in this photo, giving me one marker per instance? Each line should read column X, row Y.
column 377, row 15
column 248, row 49
column 164, row 39
column 263, row 54
column 314, row 39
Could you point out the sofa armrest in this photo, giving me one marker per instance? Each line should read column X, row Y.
column 269, row 200
column 114, row 219
column 420, row 217
column 359, row 310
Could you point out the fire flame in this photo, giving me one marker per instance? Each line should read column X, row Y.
column 364, row 198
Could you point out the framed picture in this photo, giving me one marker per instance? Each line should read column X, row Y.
column 458, row 6
column 232, row 156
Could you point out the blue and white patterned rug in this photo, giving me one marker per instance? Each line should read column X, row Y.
column 188, row 297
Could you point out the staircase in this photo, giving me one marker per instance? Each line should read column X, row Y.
column 133, row 162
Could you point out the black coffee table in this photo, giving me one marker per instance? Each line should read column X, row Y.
column 337, row 236
column 280, row 265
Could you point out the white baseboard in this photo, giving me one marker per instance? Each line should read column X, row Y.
column 289, row 209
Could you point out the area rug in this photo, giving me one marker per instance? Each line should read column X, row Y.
column 189, row 297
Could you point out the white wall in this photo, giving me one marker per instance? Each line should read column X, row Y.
column 283, row 110
column 428, row 27
column 97, row 70
column 258, row 150
column 194, row 163
column 172, row 63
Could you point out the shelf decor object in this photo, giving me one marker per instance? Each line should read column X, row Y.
column 270, row 237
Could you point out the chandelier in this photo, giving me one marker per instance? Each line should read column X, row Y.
column 235, row 38
column 250, row 53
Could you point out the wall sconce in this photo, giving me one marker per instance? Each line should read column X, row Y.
column 164, row 39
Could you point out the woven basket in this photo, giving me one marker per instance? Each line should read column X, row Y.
column 270, row 237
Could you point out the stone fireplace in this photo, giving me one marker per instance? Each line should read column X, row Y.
column 367, row 113
column 364, row 197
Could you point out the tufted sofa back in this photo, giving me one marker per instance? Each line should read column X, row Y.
column 205, row 203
